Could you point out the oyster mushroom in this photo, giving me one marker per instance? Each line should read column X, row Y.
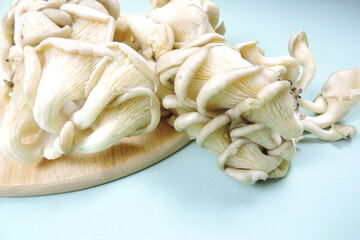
column 20, row 137
column 155, row 39
column 335, row 133
column 90, row 25
column 68, row 67
column 12, row 20
column 299, row 49
column 125, row 71
column 276, row 110
column 210, row 133
column 5, row 67
column 188, row 19
column 244, row 161
column 341, row 92
column 123, row 33
column 255, row 56
column 158, row 3
column 36, row 26
column 201, row 66
column 258, row 133
column 169, row 63
column 59, row 17
column 232, row 88
column 137, row 112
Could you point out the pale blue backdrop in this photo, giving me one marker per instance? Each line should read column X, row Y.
column 187, row 197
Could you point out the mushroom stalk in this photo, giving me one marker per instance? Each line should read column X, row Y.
column 335, row 133
column 335, row 111
column 318, row 106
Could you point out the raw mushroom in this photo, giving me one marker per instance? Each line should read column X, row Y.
column 187, row 18
column 210, row 133
column 158, row 3
column 126, row 71
column 136, row 112
column 258, row 133
column 90, row 25
column 232, row 88
column 12, row 21
column 201, row 66
column 178, row 108
column 276, row 110
column 245, row 162
column 155, row 39
column 255, row 55
column 36, row 26
column 20, row 137
column 5, row 67
column 299, row 49
column 68, row 67
column 123, row 33
column 341, row 92
column 59, row 17
column 169, row 63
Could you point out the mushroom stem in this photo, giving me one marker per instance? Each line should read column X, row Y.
column 336, row 132
column 246, row 175
column 318, row 106
column 336, row 110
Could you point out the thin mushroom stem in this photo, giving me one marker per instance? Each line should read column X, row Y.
column 336, row 110
column 319, row 105
column 336, row 132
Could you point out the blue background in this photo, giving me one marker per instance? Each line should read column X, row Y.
column 187, row 197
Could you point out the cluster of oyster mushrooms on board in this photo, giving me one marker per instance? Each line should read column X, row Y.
column 79, row 76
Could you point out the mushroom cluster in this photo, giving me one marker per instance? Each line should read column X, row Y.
column 246, row 107
column 69, row 86
column 79, row 76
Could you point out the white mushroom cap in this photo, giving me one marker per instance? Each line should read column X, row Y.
column 127, row 70
column 253, row 54
column 61, row 18
column 341, row 92
column 123, row 33
column 169, row 63
column 186, row 18
column 299, row 49
column 18, row 125
column 201, row 66
column 244, row 161
column 155, row 39
column 258, row 133
column 67, row 68
column 36, row 26
column 137, row 112
column 90, row 25
column 276, row 110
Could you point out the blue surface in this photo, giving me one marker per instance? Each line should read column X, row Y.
column 187, row 197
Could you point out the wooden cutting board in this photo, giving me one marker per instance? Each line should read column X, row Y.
column 76, row 171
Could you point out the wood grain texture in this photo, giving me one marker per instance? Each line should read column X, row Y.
column 79, row 171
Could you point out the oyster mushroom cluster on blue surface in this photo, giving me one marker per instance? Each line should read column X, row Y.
column 80, row 76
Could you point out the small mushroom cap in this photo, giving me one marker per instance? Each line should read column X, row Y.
column 61, row 18
column 36, row 26
column 254, row 55
column 341, row 92
column 187, row 19
column 343, row 85
column 299, row 49
column 90, row 25
column 112, row 6
column 258, row 133
column 155, row 39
